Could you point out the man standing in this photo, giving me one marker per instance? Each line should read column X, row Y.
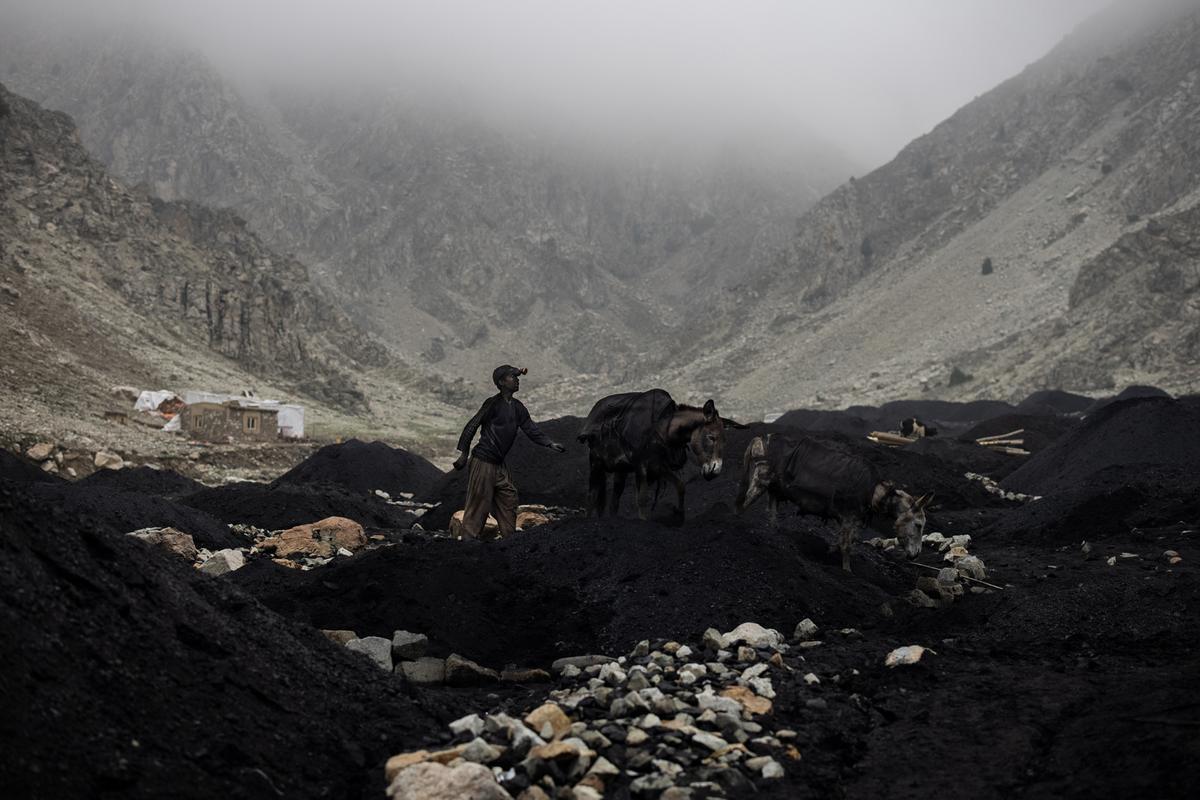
column 489, row 487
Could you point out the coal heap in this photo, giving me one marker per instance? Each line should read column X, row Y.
column 14, row 467
column 143, row 480
column 276, row 506
column 806, row 419
column 1151, row 430
column 121, row 512
column 576, row 585
column 364, row 467
column 129, row 674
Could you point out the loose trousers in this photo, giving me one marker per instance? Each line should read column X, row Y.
column 490, row 490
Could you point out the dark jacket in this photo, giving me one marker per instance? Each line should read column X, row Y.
column 498, row 421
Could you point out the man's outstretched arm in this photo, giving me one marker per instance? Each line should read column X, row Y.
column 537, row 435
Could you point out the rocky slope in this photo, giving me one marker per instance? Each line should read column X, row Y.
column 883, row 287
column 458, row 242
column 102, row 285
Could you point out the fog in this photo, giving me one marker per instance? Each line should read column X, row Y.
column 865, row 75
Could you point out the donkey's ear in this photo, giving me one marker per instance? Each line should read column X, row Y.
column 710, row 409
column 728, row 423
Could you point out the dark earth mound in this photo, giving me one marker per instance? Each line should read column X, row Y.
column 945, row 415
column 273, row 506
column 837, row 421
column 143, row 480
column 1134, row 392
column 128, row 674
column 579, row 584
column 1150, row 430
column 122, row 512
column 1115, row 500
column 14, row 467
column 1038, row 431
column 365, row 467
column 1055, row 401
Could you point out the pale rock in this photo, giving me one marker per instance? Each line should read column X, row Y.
column 910, row 654
column 548, row 714
column 339, row 636
column 318, row 539
column 635, row 737
column 408, row 646
column 580, row 662
column 462, row 671
column 811, row 679
column 480, row 752
column 433, row 781
column 40, row 451
column 223, row 562
column 773, row 770
column 471, row 723
column 754, row 635
column 806, row 629
column 709, row 740
column 714, row 640
column 377, row 648
column 424, row 671
column 175, row 541
column 106, row 460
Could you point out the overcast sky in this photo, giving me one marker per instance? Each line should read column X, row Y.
column 866, row 75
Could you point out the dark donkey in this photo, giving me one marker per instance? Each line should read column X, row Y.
column 650, row 435
column 830, row 484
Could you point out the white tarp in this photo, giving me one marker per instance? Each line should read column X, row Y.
column 150, row 400
column 291, row 421
column 174, row 424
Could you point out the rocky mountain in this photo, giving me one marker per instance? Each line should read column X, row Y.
column 457, row 241
column 102, row 284
column 1000, row 227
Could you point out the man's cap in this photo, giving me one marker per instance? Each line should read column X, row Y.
column 504, row 370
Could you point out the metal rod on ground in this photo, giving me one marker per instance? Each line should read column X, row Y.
column 965, row 577
column 1008, row 435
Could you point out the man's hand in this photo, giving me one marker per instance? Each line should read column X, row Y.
column 558, row 448
column 461, row 461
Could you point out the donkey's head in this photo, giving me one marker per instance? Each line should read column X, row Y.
column 707, row 442
column 756, row 474
column 907, row 513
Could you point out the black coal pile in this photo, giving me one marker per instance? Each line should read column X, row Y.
column 946, row 416
column 364, row 467
column 1055, row 401
column 14, row 467
column 122, row 512
column 541, row 475
column 129, row 674
column 1037, row 431
column 807, row 419
column 577, row 585
column 143, row 480
column 276, row 506
column 1135, row 392
column 1115, row 500
column 1150, row 430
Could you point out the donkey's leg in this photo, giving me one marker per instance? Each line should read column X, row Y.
column 597, row 482
column 641, row 487
column 849, row 532
column 679, row 492
column 618, row 489
column 772, row 510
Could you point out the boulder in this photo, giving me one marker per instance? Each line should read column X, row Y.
column 462, row 671
column 491, row 528
column 40, row 451
column 317, row 539
column 377, row 648
column 549, row 721
column 525, row 676
column 530, row 519
column 432, row 781
column 424, row 671
column 408, row 646
column 171, row 539
column 754, row 635
column 105, row 460
column 806, row 629
column 223, row 562
column 581, row 662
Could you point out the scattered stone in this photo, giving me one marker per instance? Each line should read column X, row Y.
column 106, row 460
column 525, row 676
column 377, row 648
column 223, row 562
column 581, row 662
column 40, row 451
column 806, row 629
column 480, row 752
column 424, row 671
column 171, row 539
column 773, row 770
column 340, row 636
column 635, row 737
column 408, row 646
column 319, row 539
column 909, row 654
column 472, row 723
column 754, row 635
column 461, row 671
column 811, row 679
column 747, row 699
column 714, row 640
column 433, row 781
column 746, row 655
column 491, row 528
column 1112, row 561
column 548, row 714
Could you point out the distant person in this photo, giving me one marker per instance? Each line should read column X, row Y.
column 489, row 486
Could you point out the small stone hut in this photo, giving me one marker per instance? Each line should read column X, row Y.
column 232, row 420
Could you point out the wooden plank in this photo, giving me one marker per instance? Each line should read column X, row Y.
column 1008, row 435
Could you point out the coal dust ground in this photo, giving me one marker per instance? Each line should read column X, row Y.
column 128, row 674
